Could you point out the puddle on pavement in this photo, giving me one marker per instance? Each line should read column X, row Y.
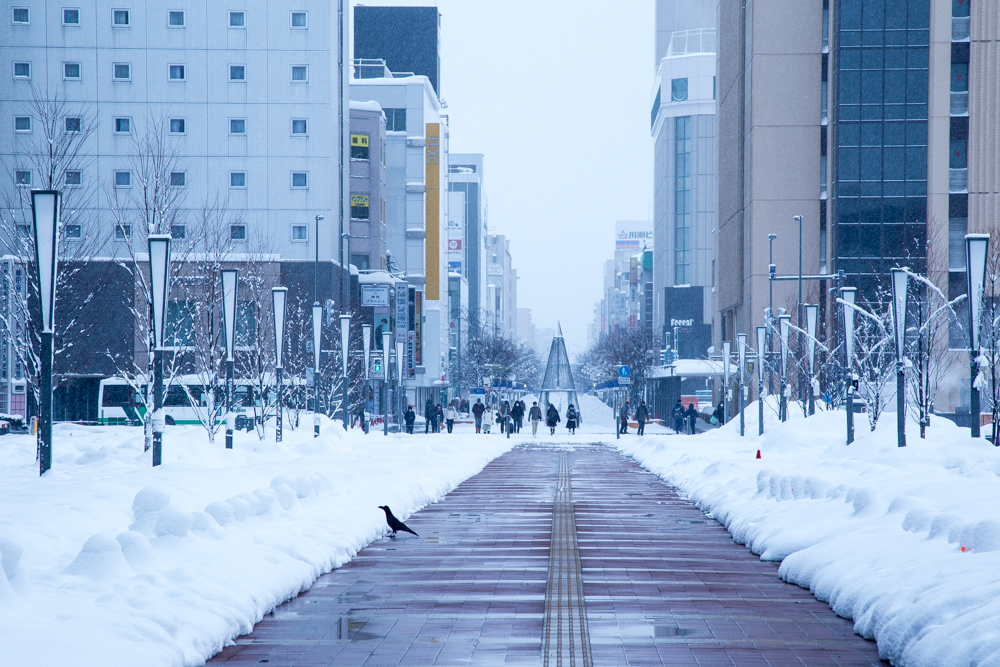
column 352, row 629
column 664, row 631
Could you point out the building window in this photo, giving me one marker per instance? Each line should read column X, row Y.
column 300, row 20
column 122, row 232
column 300, row 73
column 22, row 123
column 71, row 16
column 299, row 126
column 73, row 231
column 238, row 232
column 300, row 179
column 74, row 178
column 359, row 146
column 300, row 233
column 237, row 73
column 178, row 179
column 122, row 72
column 237, row 126
column 71, row 71
column 237, row 179
column 678, row 90
column 73, row 123
column 177, row 72
column 21, row 16
column 395, row 120
column 360, row 209
column 22, row 177
column 175, row 18
column 361, row 262
column 123, row 179
column 178, row 231
column 119, row 18
column 22, row 70
column 123, row 125
column 177, row 126
column 682, row 200
column 237, row 19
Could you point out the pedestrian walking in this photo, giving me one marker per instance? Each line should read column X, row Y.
column 692, row 418
column 552, row 418
column 439, row 419
column 487, row 419
column 477, row 413
column 408, row 418
column 534, row 416
column 572, row 419
column 430, row 412
column 678, row 414
column 517, row 414
column 641, row 413
column 719, row 416
column 363, row 419
column 623, row 418
column 450, row 415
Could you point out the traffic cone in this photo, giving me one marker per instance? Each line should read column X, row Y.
column 758, row 453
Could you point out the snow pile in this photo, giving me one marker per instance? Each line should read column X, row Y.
column 906, row 542
column 107, row 561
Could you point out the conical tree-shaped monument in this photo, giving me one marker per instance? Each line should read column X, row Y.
column 558, row 387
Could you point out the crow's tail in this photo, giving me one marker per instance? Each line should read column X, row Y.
column 408, row 530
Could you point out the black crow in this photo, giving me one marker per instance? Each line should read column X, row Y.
column 393, row 522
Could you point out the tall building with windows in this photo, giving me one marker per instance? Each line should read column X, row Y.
column 467, row 225
column 874, row 121
column 368, row 187
column 682, row 123
column 407, row 39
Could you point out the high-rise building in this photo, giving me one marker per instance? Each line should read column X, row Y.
column 682, row 122
column 368, row 187
column 501, row 286
column 872, row 121
column 467, row 225
column 407, row 39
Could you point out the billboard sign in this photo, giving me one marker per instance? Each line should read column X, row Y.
column 374, row 295
column 633, row 235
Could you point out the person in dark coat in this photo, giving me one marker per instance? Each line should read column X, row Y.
column 439, row 419
column 678, row 414
column 477, row 412
column 641, row 413
column 692, row 418
column 517, row 414
column 430, row 417
column 720, row 414
column 623, row 419
column 552, row 418
column 409, row 417
column 572, row 419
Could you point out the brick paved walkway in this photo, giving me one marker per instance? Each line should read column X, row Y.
column 662, row 584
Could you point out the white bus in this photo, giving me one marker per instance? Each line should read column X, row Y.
column 119, row 403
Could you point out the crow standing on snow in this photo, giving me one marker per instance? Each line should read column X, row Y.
column 393, row 522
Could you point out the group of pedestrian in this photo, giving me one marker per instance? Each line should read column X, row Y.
column 684, row 419
column 641, row 417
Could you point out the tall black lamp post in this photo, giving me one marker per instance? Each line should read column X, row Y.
column 741, row 345
column 976, row 248
column 317, row 321
column 899, row 328
column 345, row 339
column 159, row 281
column 278, row 295
column 761, row 356
column 848, row 295
column 45, row 211
column 229, row 284
column 386, row 337
column 812, row 315
column 783, row 327
column 366, row 343
column 727, row 357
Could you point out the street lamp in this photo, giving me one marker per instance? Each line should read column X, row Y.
column 798, row 305
column 849, row 295
column 345, row 339
column 783, row 324
column 899, row 326
column 317, row 322
column 401, row 365
column 761, row 343
column 772, row 270
column 366, row 343
column 386, row 337
column 159, row 280
column 812, row 314
column 278, row 295
column 741, row 344
column 976, row 247
column 726, row 356
column 229, row 284
column 45, row 209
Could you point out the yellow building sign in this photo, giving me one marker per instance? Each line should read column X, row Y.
column 359, row 200
column 359, row 140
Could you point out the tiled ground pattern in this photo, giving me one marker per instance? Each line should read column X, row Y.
column 664, row 585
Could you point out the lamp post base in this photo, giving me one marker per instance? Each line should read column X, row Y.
column 45, row 407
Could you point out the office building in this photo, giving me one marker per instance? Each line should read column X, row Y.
column 501, row 287
column 368, row 187
column 407, row 39
column 467, row 224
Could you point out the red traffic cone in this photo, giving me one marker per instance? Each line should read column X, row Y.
column 758, row 453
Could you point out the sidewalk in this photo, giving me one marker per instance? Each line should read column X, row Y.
column 488, row 582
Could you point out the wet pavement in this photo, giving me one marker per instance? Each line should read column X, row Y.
column 562, row 556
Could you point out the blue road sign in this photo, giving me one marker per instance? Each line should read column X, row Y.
column 624, row 371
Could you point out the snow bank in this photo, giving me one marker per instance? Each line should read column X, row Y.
column 107, row 561
column 906, row 542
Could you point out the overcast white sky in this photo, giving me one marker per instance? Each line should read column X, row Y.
column 555, row 94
